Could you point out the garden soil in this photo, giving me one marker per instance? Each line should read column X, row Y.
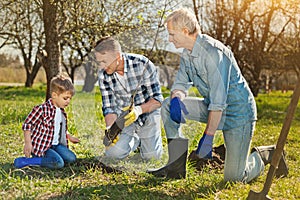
column 217, row 162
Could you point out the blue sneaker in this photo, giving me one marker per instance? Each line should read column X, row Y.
column 23, row 161
column 20, row 162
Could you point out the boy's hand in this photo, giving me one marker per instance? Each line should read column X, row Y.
column 73, row 139
column 27, row 149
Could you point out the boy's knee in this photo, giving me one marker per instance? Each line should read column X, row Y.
column 71, row 159
column 59, row 164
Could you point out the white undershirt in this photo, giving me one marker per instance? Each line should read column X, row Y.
column 121, row 79
column 57, row 124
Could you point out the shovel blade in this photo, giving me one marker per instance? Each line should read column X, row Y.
column 257, row 196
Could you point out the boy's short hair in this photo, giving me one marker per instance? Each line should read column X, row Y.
column 107, row 44
column 61, row 83
column 184, row 18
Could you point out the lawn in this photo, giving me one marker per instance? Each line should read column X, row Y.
column 86, row 180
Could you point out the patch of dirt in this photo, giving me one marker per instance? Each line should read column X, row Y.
column 96, row 164
column 217, row 162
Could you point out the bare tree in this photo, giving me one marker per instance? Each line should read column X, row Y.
column 266, row 28
column 291, row 39
column 251, row 28
column 135, row 27
column 22, row 29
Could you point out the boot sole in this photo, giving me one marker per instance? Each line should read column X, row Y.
column 282, row 169
column 164, row 173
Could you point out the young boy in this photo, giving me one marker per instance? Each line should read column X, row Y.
column 45, row 129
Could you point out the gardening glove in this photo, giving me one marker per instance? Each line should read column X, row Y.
column 204, row 149
column 106, row 141
column 177, row 109
column 132, row 115
column 113, row 142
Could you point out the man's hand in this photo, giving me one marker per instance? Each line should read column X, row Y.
column 177, row 109
column 112, row 143
column 132, row 115
column 204, row 149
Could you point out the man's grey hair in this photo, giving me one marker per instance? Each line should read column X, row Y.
column 107, row 44
column 184, row 18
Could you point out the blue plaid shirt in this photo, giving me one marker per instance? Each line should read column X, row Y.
column 139, row 73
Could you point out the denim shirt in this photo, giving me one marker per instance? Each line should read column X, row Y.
column 213, row 70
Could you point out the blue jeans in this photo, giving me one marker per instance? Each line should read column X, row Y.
column 57, row 156
column 147, row 136
column 238, row 165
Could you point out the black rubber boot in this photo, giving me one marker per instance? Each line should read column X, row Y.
column 176, row 166
column 266, row 154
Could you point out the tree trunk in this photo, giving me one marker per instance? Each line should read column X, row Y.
column 36, row 67
column 27, row 65
column 90, row 78
column 29, row 80
column 52, row 62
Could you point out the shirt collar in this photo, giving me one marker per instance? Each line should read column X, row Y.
column 197, row 45
column 125, row 62
column 196, row 48
column 50, row 102
column 52, row 107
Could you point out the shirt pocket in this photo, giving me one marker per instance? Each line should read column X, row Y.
column 200, row 81
column 48, row 122
column 122, row 98
column 142, row 95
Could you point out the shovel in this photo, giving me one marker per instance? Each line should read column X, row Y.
column 279, row 147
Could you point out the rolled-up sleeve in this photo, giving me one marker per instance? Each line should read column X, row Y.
column 32, row 118
column 218, row 70
column 108, row 98
column 152, row 83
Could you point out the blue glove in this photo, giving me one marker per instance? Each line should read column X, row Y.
column 176, row 109
column 204, row 149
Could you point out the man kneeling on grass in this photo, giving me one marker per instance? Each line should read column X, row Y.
column 45, row 129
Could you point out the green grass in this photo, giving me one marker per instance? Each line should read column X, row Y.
column 84, row 180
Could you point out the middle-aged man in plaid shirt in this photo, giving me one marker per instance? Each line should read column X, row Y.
column 121, row 75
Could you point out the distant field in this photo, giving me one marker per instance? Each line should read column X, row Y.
column 18, row 75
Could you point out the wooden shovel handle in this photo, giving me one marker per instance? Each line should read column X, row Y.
column 282, row 138
column 286, row 125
